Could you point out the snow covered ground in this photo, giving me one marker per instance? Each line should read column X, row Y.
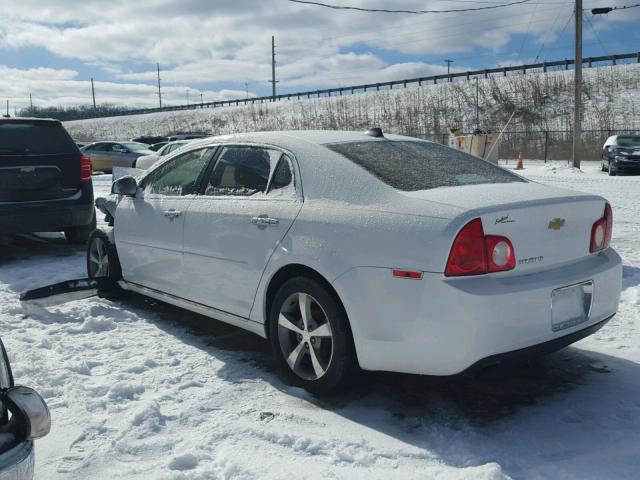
column 141, row 390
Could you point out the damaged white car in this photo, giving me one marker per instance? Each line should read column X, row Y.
column 352, row 250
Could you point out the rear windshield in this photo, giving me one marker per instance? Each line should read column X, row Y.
column 38, row 138
column 411, row 165
column 629, row 141
column 136, row 147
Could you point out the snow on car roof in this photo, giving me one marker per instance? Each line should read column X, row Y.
column 319, row 137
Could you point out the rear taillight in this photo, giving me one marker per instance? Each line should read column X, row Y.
column 474, row 253
column 601, row 231
column 85, row 169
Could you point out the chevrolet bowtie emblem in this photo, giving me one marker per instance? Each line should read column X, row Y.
column 556, row 224
column 27, row 170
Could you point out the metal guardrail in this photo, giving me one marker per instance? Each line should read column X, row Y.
column 545, row 66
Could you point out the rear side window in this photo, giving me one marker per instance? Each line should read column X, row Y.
column 35, row 138
column 410, row 165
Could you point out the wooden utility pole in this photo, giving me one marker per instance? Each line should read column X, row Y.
column 273, row 80
column 159, row 91
column 93, row 94
column 31, row 102
column 577, row 99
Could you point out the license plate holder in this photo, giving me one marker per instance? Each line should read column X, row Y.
column 571, row 305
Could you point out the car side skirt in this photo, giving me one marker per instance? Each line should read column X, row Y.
column 214, row 313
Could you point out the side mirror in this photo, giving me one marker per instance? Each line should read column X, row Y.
column 126, row 185
column 30, row 409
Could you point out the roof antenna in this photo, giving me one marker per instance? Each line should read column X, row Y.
column 374, row 132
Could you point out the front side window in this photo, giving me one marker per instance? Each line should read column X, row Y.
column 100, row 147
column 250, row 171
column 178, row 176
column 412, row 165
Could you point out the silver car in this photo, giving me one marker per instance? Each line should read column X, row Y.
column 24, row 416
column 106, row 155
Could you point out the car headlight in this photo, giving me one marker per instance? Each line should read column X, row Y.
column 620, row 158
column 30, row 410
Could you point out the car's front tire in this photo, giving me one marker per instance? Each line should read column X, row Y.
column 80, row 235
column 310, row 336
column 612, row 171
column 102, row 257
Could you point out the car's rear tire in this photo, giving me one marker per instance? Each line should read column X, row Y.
column 319, row 363
column 80, row 235
column 102, row 257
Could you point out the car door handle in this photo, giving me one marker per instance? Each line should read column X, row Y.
column 263, row 220
column 171, row 214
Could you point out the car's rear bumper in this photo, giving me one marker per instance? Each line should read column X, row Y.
column 443, row 326
column 48, row 215
column 540, row 348
column 18, row 463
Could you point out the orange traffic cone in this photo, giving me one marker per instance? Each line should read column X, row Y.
column 519, row 165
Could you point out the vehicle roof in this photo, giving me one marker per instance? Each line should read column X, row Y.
column 319, row 137
column 114, row 141
column 29, row 119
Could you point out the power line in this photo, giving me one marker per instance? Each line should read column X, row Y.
column 417, row 12
column 357, row 37
column 559, row 36
column 596, row 34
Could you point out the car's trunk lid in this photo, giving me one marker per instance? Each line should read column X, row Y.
column 548, row 227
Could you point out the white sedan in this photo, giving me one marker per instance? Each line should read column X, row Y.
column 352, row 250
column 144, row 162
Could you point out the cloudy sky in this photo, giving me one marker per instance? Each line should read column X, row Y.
column 52, row 48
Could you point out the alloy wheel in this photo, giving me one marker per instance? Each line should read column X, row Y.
column 98, row 259
column 305, row 336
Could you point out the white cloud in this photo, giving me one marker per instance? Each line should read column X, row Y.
column 203, row 42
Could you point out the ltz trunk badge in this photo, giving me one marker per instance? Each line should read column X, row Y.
column 556, row 224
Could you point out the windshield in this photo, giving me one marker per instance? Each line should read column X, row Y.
column 34, row 138
column 412, row 165
column 629, row 141
column 136, row 147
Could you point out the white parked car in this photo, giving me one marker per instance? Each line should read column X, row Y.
column 24, row 417
column 349, row 249
column 144, row 162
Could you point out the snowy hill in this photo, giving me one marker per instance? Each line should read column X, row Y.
column 542, row 102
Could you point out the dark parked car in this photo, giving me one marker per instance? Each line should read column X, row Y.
column 157, row 146
column 24, row 416
column 149, row 139
column 45, row 181
column 621, row 154
column 187, row 136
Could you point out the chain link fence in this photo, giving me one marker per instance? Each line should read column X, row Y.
column 546, row 145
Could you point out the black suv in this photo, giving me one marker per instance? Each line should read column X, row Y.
column 45, row 182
